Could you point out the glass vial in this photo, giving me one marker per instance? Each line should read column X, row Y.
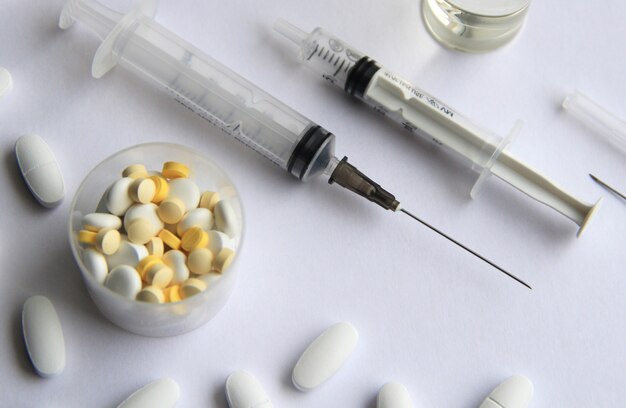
column 474, row 25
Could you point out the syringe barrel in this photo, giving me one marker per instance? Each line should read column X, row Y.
column 322, row 52
column 215, row 92
column 392, row 96
column 425, row 115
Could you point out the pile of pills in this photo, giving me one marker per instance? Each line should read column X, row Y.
column 156, row 237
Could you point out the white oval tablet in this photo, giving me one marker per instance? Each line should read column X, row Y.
column 6, row 82
column 186, row 191
column 244, row 391
column 124, row 280
column 96, row 264
column 198, row 217
column 515, row 392
column 394, row 395
column 43, row 336
column 325, row 356
column 127, row 254
column 163, row 393
column 40, row 170
column 226, row 219
column 97, row 221
column 118, row 199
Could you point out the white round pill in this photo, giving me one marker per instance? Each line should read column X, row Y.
column 96, row 264
column 140, row 231
column 155, row 246
column 163, row 393
column 186, row 191
column 124, row 280
column 108, row 241
column 43, row 336
column 192, row 287
column 210, row 278
column 151, row 294
column 515, row 392
column 198, row 217
column 200, row 261
column 218, row 241
column 176, row 260
column 325, row 356
column 127, row 254
column 118, row 199
column 226, row 219
column 244, row 391
column 393, row 395
column 144, row 211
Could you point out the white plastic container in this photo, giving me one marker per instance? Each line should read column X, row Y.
column 167, row 319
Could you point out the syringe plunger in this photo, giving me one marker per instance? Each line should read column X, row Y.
column 396, row 98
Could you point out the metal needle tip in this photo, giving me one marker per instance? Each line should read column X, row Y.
column 466, row 248
column 603, row 184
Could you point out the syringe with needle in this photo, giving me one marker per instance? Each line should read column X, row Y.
column 222, row 97
column 421, row 113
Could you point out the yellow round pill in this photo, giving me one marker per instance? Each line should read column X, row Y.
column 148, row 262
column 135, row 171
column 208, row 199
column 223, row 260
column 142, row 190
column 191, row 287
column 87, row 237
column 159, row 275
column 140, row 231
column 162, row 189
column 155, row 246
column 174, row 170
column 172, row 294
column 169, row 239
column 108, row 241
column 151, row 294
column 194, row 237
column 171, row 210
column 200, row 260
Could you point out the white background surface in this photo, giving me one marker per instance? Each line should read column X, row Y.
column 430, row 315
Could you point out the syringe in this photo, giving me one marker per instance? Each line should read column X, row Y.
column 420, row 113
column 224, row 98
column 218, row 94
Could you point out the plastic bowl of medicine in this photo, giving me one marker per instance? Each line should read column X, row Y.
column 148, row 319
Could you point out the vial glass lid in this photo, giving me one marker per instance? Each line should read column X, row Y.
column 490, row 8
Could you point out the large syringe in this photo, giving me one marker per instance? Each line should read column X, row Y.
column 420, row 113
column 218, row 94
column 224, row 98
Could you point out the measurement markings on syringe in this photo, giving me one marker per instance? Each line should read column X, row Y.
column 339, row 69
column 224, row 127
column 419, row 94
column 333, row 57
column 411, row 127
column 313, row 52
